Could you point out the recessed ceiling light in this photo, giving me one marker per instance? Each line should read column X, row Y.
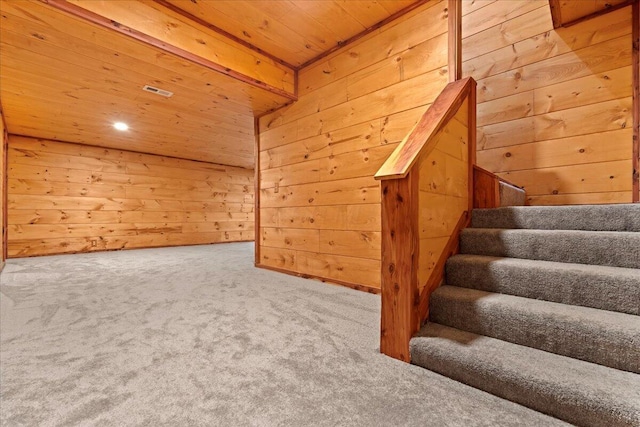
column 121, row 126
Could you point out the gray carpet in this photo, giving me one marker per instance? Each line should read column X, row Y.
column 599, row 336
column 585, row 393
column 543, row 316
column 596, row 286
column 612, row 248
column 511, row 195
column 196, row 336
column 622, row 217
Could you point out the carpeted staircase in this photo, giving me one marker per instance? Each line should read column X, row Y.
column 542, row 307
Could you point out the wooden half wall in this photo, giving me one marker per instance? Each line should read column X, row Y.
column 319, row 205
column 554, row 106
column 66, row 198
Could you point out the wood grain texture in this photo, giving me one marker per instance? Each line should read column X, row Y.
column 578, row 199
column 575, row 12
column 499, row 12
column 554, row 105
column 409, row 31
column 256, row 190
column 581, row 149
column 281, row 260
column 574, row 179
column 400, row 256
column 450, row 248
column 4, row 136
column 357, row 10
column 443, row 196
column 556, row 13
column 319, row 204
column 486, row 194
column 66, row 79
column 198, row 19
column 455, row 40
column 417, row 142
column 423, row 212
column 297, row 33
column 68, row 198
column 636, row 101
column 165, row 29
column 526, row 49
column 472, row 128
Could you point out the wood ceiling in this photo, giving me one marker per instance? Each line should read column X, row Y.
column 65, row 78
column 294, row 31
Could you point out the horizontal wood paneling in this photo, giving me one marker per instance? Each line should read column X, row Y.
column 443, row 192
column 554, row 106
column 66, row 198
column 319, row 203
column 574, row 179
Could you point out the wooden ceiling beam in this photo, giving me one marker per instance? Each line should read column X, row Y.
column 560, row 20
column 224, row 33
column 166, row 30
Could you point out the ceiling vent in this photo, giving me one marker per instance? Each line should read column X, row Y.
column 157, row 91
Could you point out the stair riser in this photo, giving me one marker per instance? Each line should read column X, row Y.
column 602, row 288
column 510, row 195
column 610, row 340
column 588, row 217
column 596, row 248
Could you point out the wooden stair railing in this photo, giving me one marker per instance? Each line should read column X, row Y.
column 427, row 197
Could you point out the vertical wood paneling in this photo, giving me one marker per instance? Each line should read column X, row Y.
column 555, row 105
column 636, row 101
column 400, row 219
column 319, row 203
column 455, row 40
column 67, row 198
column 3, row 183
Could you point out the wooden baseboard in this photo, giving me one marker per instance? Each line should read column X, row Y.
column 355, row 286
column 128, row 249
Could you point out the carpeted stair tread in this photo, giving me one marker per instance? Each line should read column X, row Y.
column 579, row 392
column 606, row 288
column 599, row 336
column 612, row 248
column 622, row 217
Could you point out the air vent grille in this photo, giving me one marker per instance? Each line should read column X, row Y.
column 157, row 91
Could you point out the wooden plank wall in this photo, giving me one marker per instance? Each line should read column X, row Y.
column 66, row 198
column 3, row 173
column 319, row 204
column 554, row 106
column 443, row 192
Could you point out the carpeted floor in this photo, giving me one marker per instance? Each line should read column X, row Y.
column 196, row 336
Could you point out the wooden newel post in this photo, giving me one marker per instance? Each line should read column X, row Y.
column 400, row 245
